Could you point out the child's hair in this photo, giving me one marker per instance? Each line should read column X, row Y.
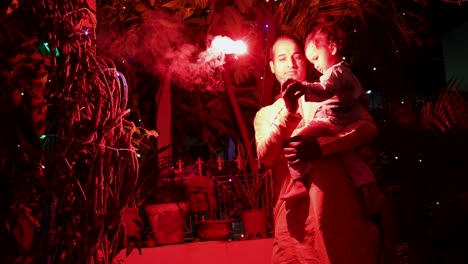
column 327, row 26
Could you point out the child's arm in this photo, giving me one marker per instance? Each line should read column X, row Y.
column 318, row 92
column 314, row 91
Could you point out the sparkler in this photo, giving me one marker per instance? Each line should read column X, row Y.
column 226, row 45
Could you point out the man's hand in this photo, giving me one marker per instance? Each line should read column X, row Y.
column 302, row 148
column 292, row 90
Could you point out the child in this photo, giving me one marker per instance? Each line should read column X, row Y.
column 341, row 92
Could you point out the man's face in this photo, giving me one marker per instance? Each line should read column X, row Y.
column 288, row 61
column 322, row 55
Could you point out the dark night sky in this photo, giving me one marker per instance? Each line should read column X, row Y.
column 455, row 48
column 452, row 23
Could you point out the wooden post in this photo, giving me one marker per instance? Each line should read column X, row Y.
column 239, row 118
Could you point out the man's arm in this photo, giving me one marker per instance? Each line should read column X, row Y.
column 273, row 125
column 306, row 147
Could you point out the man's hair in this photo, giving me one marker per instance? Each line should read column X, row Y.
column 327, row 27
column 281, row 37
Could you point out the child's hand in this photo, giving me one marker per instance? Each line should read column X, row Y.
column 292, row 90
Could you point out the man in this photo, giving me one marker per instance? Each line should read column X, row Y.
column 329, row 225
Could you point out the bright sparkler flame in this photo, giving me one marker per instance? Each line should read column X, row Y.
column 226, row 45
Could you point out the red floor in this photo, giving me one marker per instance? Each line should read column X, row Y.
column 210, row 252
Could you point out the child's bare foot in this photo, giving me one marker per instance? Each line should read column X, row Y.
column 298, row 190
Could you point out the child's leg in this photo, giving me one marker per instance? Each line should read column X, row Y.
column 298, row 189
column 363, row 179
column 372, row 197
column 318, row 127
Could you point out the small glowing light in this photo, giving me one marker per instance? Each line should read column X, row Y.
column 138, row 155
column 375, row 68
column 344, row 58
column 86, row 32
column 420, row 160
column 402, row 102
column 437, row 203
column 261, row 77
column 19, row 145
column 118, row 74
column 123, row 61
column 123, row 7
column 368, row 92
column 230, row 180
column 139, row 120
column 42, row 137
column 404, row 13
column 266, row 25
column 42, row 166
column 207, row 10
column 396, row 51
column 396, row 157
column 242, row 235
column 355, row 30
column 22, row 93
column 49, row 80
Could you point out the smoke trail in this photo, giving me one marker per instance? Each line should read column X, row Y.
column 161, row 43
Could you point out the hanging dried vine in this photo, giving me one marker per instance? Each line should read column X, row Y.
column 91, row 164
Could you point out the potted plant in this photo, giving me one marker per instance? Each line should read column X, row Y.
column 149, row 172
column 250, row 188
column 167, row 209
column 213, row 227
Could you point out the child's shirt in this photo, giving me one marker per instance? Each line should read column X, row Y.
column 339, row 91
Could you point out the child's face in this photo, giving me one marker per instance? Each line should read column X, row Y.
column 321, row 54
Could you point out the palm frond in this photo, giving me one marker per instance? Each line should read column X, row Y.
column 446, row 115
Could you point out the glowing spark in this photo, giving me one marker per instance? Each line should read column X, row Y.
column 228, row 46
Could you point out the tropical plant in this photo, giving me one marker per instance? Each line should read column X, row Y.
column 446, row 115
column 151, row 166
column 87, row 144
column 428, row 148
column 249, row 183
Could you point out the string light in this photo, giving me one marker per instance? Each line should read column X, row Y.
column 368, row 92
